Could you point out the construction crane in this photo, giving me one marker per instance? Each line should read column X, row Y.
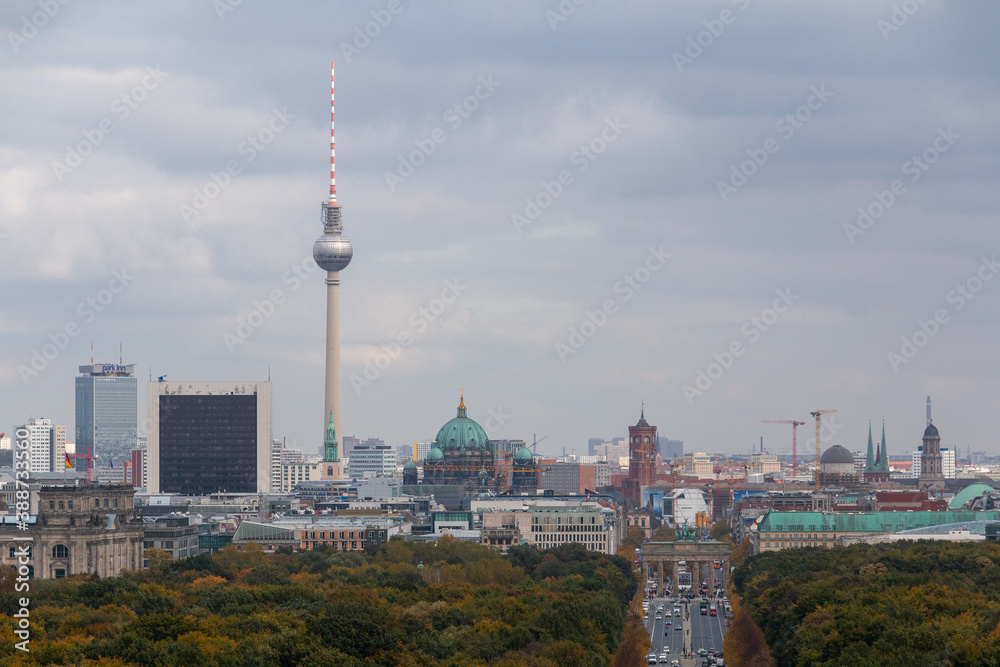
column 88, row 466
column 673, row 470
column 795, row 426
column 534, row 442
column 818, row 414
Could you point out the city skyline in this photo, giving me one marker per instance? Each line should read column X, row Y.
column 733, row 213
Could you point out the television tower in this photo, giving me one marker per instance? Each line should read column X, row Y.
column 332, row 252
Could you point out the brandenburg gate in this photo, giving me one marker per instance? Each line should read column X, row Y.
column 694, row 553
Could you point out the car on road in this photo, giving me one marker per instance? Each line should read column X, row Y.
column 651, row 659
column 702, row 652
column 664, row 658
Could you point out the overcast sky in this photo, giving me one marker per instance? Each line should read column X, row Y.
column 626, row 194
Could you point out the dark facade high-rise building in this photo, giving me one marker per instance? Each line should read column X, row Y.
column 107, row 416
column 642, row 458
column 209, row 437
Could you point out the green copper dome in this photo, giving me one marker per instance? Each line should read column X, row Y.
column 410, row 465
column 434, row 454
column 523, row 455
column 462, row 434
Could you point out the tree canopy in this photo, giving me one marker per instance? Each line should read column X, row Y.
column 404, row 603
column 896, row 605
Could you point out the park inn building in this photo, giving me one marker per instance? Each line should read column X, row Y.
column 787, row 530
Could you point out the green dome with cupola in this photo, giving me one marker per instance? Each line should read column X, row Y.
column 462, row 434
column 523, row 455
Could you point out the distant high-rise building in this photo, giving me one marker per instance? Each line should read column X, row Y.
column 670, row 448
column 46, row 444
column 107, row 417
column 948, row 463
column 209, row 437
column 277, row 451
column 593, row 444
column 420, row 450
column 503, row 447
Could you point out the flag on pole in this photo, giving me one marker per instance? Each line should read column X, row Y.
column 69, row 464
column 112, row 462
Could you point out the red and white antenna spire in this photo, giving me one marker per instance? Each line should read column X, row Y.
column 333, row 179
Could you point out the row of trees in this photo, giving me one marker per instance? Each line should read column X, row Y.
column 404, row 603
column 901, row 604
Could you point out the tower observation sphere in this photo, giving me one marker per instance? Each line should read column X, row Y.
column 332, row 251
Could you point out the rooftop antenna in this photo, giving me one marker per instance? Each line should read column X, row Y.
column 120, row 354
column 91, row 353
column 333, row 179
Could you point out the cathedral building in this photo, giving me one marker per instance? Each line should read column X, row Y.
column 462, row 455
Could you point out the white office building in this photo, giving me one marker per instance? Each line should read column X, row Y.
column 293, row 473
column 46, row 443
column 371, row 460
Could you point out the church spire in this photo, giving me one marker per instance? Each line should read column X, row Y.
column 461, row 404
column 330, row 444
column 870, row 459
column 883, row 462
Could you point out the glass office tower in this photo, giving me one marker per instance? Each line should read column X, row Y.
column 107, row 416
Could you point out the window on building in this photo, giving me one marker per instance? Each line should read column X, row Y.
column 60, row 551
column 52, row 504
column 114, row 503
column 70, row 504
column 105, row 502
column 62, row 505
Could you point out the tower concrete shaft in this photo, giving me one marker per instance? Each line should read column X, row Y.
column 333, row 387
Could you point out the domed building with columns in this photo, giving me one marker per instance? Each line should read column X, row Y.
column 462, row 454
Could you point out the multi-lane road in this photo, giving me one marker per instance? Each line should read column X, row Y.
column 683, row 631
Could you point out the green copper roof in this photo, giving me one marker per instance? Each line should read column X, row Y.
column 462, row 434
column 864, row 522
column 883, row 453
column 870, row 459
column 523, row 454
column 967, row 494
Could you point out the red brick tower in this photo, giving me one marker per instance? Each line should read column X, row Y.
column 642, row 458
